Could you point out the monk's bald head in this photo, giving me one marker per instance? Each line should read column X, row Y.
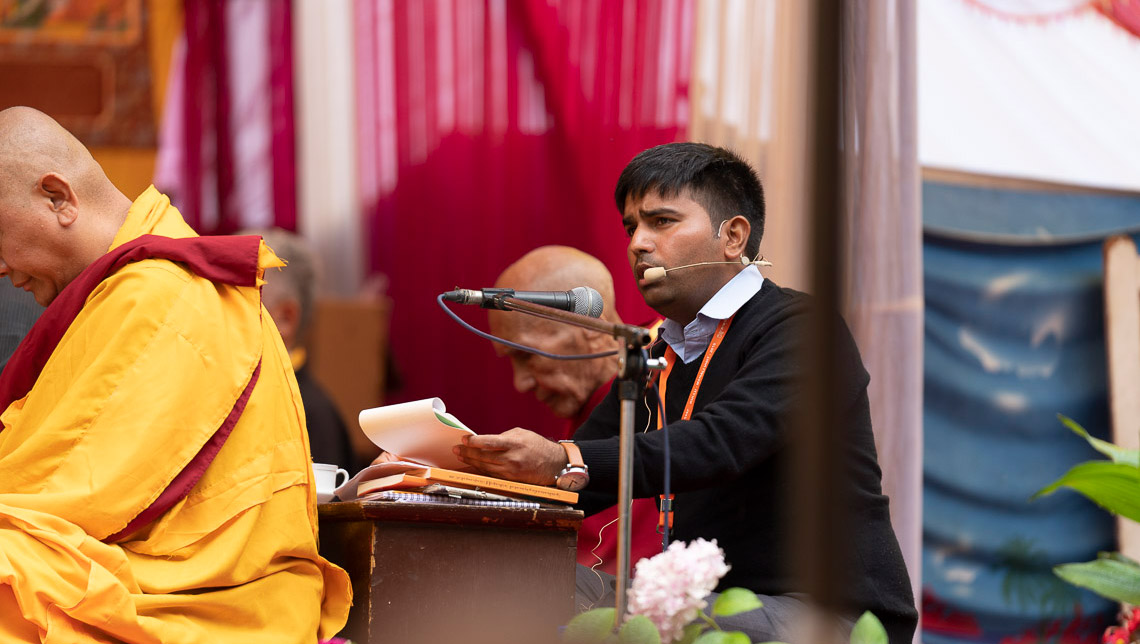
column 58, row 211
column 32, row 143
column 561, row 268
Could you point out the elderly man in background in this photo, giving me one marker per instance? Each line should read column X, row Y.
column 155, row 483
column 571, row 388
column 289, row 295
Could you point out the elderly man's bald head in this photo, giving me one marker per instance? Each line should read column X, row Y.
column 564, row 386
column 560, row 268
column 58, row 211
column 33, row 144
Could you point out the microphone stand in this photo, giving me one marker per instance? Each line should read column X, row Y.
column 633, row 368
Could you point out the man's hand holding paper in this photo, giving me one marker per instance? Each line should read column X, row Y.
column 517, row 454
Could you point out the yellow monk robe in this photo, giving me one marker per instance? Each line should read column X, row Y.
column 144, row 375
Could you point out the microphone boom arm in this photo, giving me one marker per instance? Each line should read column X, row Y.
column 633, row 336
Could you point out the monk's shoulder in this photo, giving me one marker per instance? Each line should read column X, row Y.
column 161, row 271
column 152, row 282
column 158, row 301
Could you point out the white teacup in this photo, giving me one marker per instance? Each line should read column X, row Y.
column 328, row 480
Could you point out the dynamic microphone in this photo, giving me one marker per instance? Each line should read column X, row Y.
column 659, row 272
column 582, row 300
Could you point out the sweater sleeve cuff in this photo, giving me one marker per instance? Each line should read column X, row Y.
column 602, row 458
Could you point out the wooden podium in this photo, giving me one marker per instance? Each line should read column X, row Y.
column 425, row 572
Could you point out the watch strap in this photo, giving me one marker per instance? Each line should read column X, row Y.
column 573, row 454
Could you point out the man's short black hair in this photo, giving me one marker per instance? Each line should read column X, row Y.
column 723, row 183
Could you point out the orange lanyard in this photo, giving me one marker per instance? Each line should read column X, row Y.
column 662, row 385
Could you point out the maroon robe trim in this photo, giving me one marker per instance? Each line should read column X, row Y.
column 188, row 477
column 226, row 260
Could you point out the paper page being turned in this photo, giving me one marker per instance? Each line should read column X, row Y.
column 420, row 431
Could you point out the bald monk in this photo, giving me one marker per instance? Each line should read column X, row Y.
column 155, row 484
column 572, row 388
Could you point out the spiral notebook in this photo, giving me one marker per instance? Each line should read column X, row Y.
column 443, row 498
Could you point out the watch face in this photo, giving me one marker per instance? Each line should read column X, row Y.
column 573, row 480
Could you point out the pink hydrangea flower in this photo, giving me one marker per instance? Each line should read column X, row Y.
column 670, row 588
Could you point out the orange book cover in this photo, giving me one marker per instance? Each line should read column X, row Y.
column 419, row 475
column 481, row 482
column 403, row 481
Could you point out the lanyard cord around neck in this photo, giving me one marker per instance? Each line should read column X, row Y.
column 665, row 518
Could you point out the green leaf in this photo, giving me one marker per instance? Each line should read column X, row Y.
column 590, row 627
column 734, row 601
column 639, row 630
column 1116, row 453
column 1113, row 486
column 1110, row 577
column 868, row 630
column 723, row 637
column 1116, row 556
column 692, row 631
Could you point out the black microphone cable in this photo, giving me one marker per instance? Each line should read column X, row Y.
column 667, row 501
column 515, row 345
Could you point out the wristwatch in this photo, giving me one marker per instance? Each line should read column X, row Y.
column 575, row 475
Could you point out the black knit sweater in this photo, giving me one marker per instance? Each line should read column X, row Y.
column 731, row 463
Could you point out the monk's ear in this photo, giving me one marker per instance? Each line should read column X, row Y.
column 63, row 202
column 735, row 234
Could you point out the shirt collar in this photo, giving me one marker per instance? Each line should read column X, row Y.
column 690, row 341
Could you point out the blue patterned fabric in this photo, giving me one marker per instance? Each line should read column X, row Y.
column 1014, row 335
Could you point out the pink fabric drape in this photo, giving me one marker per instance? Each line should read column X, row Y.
column 1125, row 13
column 226, row 153
column 282, row 139
column 490, row 128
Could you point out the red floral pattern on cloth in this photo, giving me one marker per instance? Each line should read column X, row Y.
column 1128, row 632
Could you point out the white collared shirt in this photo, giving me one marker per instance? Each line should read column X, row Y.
column 691, row 341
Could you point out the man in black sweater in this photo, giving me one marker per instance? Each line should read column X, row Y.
column 728, row 431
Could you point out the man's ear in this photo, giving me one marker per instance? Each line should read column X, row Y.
column 592, row 341
column 735, row 234
column 63, row 201
column 585, row 338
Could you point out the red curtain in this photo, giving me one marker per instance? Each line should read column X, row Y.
column 226, row 154
column 488, row 129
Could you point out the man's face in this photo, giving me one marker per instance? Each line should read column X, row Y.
column 671, row 232
column 564, row 386
column 29, row 255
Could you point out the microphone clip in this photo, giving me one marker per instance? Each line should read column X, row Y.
column 493, row 298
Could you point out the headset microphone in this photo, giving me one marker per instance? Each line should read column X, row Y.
column 659, row 272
